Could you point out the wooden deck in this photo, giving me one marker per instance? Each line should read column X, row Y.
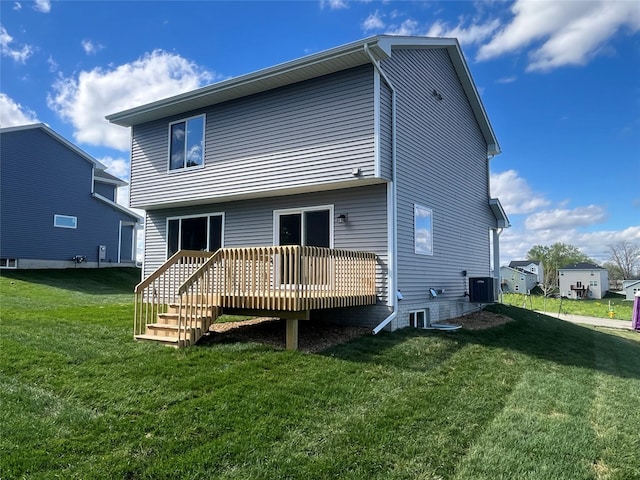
column 193, row 288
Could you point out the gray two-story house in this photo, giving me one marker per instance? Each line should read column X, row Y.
column 350, row 185
column 58, row 205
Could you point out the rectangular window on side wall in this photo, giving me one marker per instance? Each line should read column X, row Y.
column 65, row 221
column 423, row 230
column 186, row 143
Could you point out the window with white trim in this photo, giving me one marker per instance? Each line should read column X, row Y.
column 195, row 232
column 8, row 263
column 65, row 221
column 186, row 143
column 423, row 230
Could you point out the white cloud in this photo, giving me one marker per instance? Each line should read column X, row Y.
column 408, row 27
column 565, row 219
column 18, row 54
column 515, row 194
column 12, row 113
column 472, row 34
column 91, row 48
column 116, row 166
column 53, row 65
column 17, row 6
column 333, row 4
column 85, row 99
column 561, row 33
column 43, row 6
column 373, row 22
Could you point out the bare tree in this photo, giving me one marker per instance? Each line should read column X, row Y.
column 626, row 256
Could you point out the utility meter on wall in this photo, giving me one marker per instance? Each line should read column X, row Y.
column 102, row 252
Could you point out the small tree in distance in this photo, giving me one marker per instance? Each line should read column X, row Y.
column 554, row 257
column 626, row 257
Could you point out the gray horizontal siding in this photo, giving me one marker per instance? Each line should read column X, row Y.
column 442, row 165
column 106, row 190
column 41, row 178
column 250, row 223
column 302, row 136
column 386, row 132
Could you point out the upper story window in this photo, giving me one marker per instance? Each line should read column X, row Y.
column 186, row 143
column 65, row 221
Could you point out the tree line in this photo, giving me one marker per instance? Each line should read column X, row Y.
column 623, row 263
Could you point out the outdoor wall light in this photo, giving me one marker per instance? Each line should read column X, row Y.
column 342, row 218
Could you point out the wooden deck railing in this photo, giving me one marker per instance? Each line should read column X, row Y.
column 289, row 278
column 158, row 290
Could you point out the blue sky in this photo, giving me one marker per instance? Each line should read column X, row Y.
column 560, row 81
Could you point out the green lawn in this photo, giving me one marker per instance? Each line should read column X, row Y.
column 620, row 307
column 536, row 398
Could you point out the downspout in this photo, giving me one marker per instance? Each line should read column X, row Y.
column 496, row 261
column 392, row 211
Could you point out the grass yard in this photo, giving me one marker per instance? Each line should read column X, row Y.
column 622, row 309
column 536, row 398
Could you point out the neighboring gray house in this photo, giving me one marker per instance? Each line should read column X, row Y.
column 583, row 281
column 630, row 288
column 379, row 146
column 58, row 205
column 534, row 266
column 514, row 280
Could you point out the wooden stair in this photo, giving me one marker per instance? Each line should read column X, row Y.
column 167, row 331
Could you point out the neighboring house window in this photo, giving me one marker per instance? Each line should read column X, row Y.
column 202, row 233
column 593, row 283
column 418, row 319
column 423, row 230
column 186, row 143
column 65, row 221
column 8, row 263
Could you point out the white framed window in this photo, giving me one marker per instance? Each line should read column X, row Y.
column 186, row 143
column 8, row 263
column 195, row 232
column 418, row 319
column 423, row 229
column 308, row 226
column 65, row 221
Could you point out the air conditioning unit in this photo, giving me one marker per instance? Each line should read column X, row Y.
column 482, row 290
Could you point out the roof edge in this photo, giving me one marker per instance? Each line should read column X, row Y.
column 121, row 118
column 498, row 212
column 56, row 136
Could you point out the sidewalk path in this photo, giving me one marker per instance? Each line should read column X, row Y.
column 597, row 322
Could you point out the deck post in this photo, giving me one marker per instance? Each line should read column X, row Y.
column 292, row 334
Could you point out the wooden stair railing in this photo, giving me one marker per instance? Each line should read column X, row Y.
column 157, row 305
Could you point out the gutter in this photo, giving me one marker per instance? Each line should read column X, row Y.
column 392, row 208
